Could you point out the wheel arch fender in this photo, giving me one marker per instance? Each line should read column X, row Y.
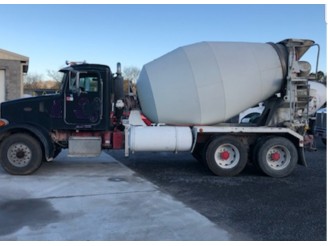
column 300, row 150
column 40, row 133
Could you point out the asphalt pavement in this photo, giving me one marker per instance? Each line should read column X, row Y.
column 95, row 199
column 258, row 207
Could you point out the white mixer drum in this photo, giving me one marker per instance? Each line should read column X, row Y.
column 208, row 82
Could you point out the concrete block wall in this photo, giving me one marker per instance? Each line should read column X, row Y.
column 13, row 78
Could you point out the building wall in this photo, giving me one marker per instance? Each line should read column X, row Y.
column 13, row 78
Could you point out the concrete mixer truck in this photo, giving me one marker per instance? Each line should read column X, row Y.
column 185, row 102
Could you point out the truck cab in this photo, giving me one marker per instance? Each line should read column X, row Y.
column 84, row 109
column 80, row 104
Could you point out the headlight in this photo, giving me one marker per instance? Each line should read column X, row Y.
column 3, row 122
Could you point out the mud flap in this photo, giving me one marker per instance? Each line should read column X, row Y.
column 301, row 157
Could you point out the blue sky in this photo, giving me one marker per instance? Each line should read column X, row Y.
column 137, row 34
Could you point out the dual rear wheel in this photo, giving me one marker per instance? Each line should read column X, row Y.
column 225, row 156
column 228, row 155
column 275, row 156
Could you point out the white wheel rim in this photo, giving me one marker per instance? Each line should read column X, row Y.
column 278, row 157
column 227, row 156
column 19, row 155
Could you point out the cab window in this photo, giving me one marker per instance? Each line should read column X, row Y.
column 89, row 82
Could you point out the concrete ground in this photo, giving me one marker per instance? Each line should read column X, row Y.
column 95, row 199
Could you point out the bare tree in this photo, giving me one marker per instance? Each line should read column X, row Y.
column 131, row 73
column 31, row 78
column 321, row 77
column 55, row 75
column 33, row 81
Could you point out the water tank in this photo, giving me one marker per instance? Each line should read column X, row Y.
column 209, row 82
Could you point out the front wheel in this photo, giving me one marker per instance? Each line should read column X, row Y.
column 20, row 154
column 277, row 157
column 226, row 156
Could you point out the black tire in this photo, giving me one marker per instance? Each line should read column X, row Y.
column 20, row 154
column 255, row 150
column 277, row 157
column 226, row 156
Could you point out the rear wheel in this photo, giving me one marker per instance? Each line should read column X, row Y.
column 255, row 150
column 20, row 154
column 277, row 157
column 226, row 156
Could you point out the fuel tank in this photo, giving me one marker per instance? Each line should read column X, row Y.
column 209, row 82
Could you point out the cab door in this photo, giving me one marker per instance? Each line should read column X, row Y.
column 83, row 99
